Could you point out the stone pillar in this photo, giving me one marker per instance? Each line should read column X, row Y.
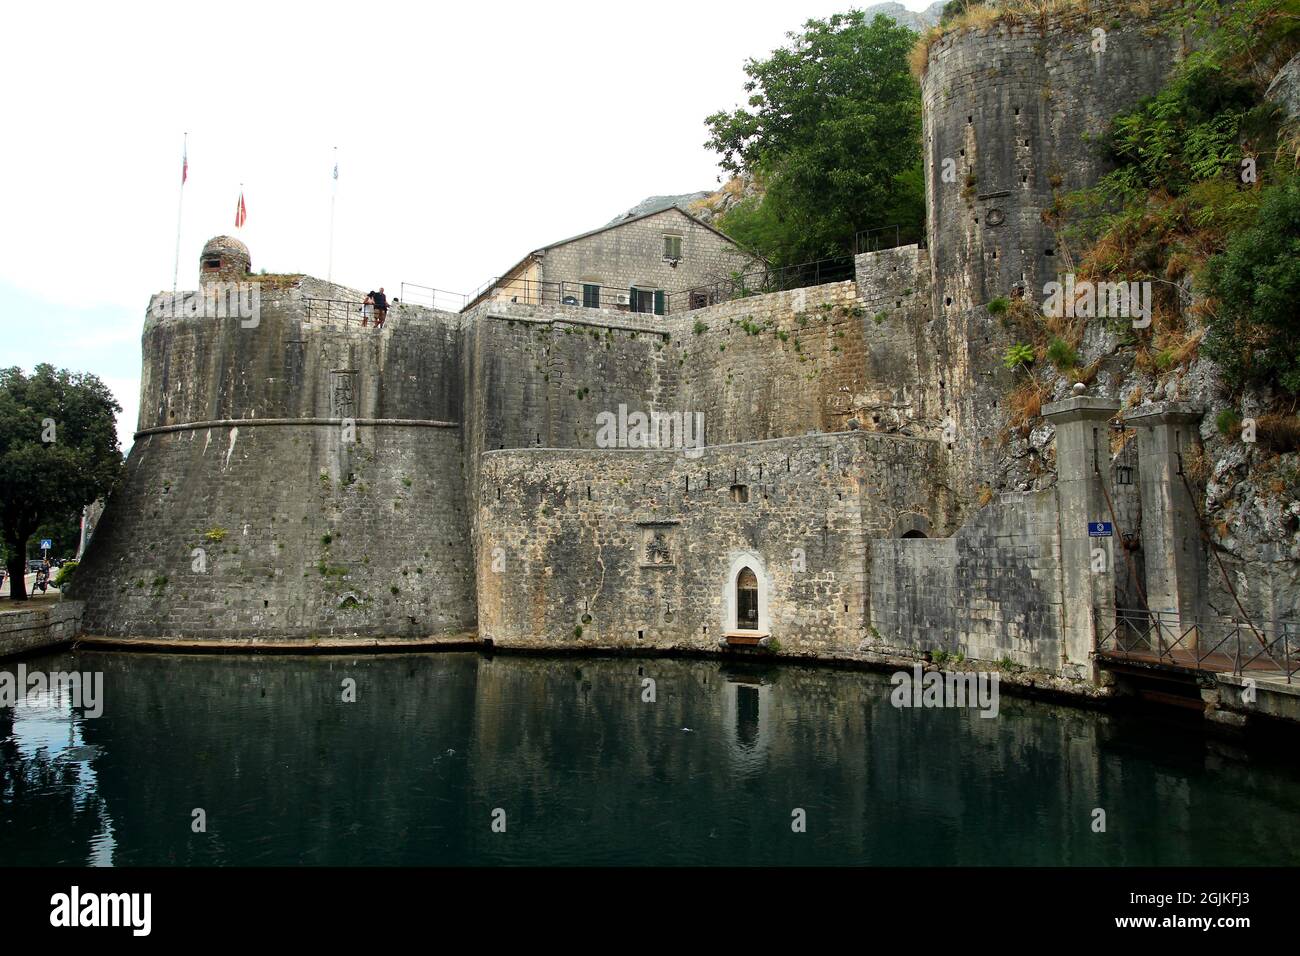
column 1082, row 463
column 1171, row 537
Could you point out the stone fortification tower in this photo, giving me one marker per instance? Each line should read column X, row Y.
column 294, row 475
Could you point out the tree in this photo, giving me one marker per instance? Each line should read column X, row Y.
column 1253, row 330
column 833, row 131
column 58, row 452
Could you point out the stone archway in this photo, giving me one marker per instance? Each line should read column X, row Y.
column 911, row 525
column 746, row 600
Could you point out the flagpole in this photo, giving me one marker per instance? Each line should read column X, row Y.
column 334, row 191
column 180, row 208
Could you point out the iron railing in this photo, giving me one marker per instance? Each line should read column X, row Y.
column 346, row 311
column 1226, row 645
column 888, row 237
column 762, row 281
column 588, row 294
column 412, row 293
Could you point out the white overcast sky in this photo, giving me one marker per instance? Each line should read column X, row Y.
column 467, row 135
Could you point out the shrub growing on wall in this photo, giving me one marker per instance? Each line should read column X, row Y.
column 1253, row 325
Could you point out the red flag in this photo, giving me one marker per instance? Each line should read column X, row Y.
column 240, row 212
column 185, row 166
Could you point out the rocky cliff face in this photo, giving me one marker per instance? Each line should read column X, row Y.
column 1248, row 490
column 660, row 203
column 914, row 20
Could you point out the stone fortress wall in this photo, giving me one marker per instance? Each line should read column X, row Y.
column 1009, row 111
column 247, row 512
column 641, row 548
column 838, row 419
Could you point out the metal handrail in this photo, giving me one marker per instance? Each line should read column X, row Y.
column 874, row 240
column 723, row 289
column 333, row 310
column 763, row 281
column 1249, row 643
column 412, row 293
column 570, row 293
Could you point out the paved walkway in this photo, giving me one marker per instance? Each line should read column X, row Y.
column 1217, row 662
column 52, row 594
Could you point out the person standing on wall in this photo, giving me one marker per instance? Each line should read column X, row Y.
column 381, row 308
column 367, row 307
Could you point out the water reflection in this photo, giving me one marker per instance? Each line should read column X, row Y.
column 589, row 772
column 51, row 810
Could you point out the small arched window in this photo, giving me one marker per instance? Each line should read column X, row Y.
column 914, row 534
column 746, row 600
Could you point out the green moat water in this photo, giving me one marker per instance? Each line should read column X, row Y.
column 588, row 772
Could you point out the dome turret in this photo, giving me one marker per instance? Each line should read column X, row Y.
column 224, row 259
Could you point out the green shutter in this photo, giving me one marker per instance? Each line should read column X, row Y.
column 631, row 298
column 659, row 301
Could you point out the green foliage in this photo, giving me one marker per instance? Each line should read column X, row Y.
column 1177, row 204
column 51, row 479
column 1188, row 132
column 999, row 306
column 64, row 532
column 1018, row 355
column 1253, row 331
column 832, row 131
column 700, row 327
column 1062, row 354
column 955, row 8
column 64, row 576
column 1228, row 422
column 1255, row 37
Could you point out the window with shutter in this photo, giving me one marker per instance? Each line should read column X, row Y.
column 591, row 295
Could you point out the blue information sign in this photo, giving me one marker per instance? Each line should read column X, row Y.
column 1100, row 529
column 46, row 544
